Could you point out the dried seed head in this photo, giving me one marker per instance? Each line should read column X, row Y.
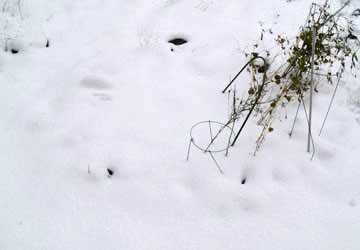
column 261, row 69
column 251, row 91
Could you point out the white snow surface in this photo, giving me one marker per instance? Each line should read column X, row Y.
column 110, row 93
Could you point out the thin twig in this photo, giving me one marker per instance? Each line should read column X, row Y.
column 296, row 115
column 330, row 105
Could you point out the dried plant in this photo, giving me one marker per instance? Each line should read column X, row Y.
column 287, row 78
column 11, row 20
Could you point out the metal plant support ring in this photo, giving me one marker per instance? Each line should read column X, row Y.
column 266, row 66
column 222, row 128
column 213, row 135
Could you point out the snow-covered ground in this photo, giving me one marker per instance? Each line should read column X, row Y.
column 111, row 93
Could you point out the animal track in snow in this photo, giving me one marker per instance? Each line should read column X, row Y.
column 102, row 96
column 94, row 82
column 352, row 202
column 97, row 85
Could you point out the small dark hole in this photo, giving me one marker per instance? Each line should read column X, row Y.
column 261, row 69
column 172, row 49
column 111, row 172
column 47, row 44
column 178, row 41
column 243, row 181
column 356, row 12
column 14, row 51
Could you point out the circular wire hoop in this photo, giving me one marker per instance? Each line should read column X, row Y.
column 214, row 134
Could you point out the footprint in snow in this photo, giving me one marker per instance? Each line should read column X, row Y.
column 98, row 84
column 102, row 96
column 352, row 202
column 95, row 83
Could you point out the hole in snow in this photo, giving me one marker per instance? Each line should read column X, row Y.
column 110, row 172
column 177, row 41
column 15, row 46
column 243, row 181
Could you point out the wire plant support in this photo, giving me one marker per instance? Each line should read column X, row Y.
column 215, row 129
column 315, row 29
column 266, row 67
column 297, row 75
column 229, row 125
